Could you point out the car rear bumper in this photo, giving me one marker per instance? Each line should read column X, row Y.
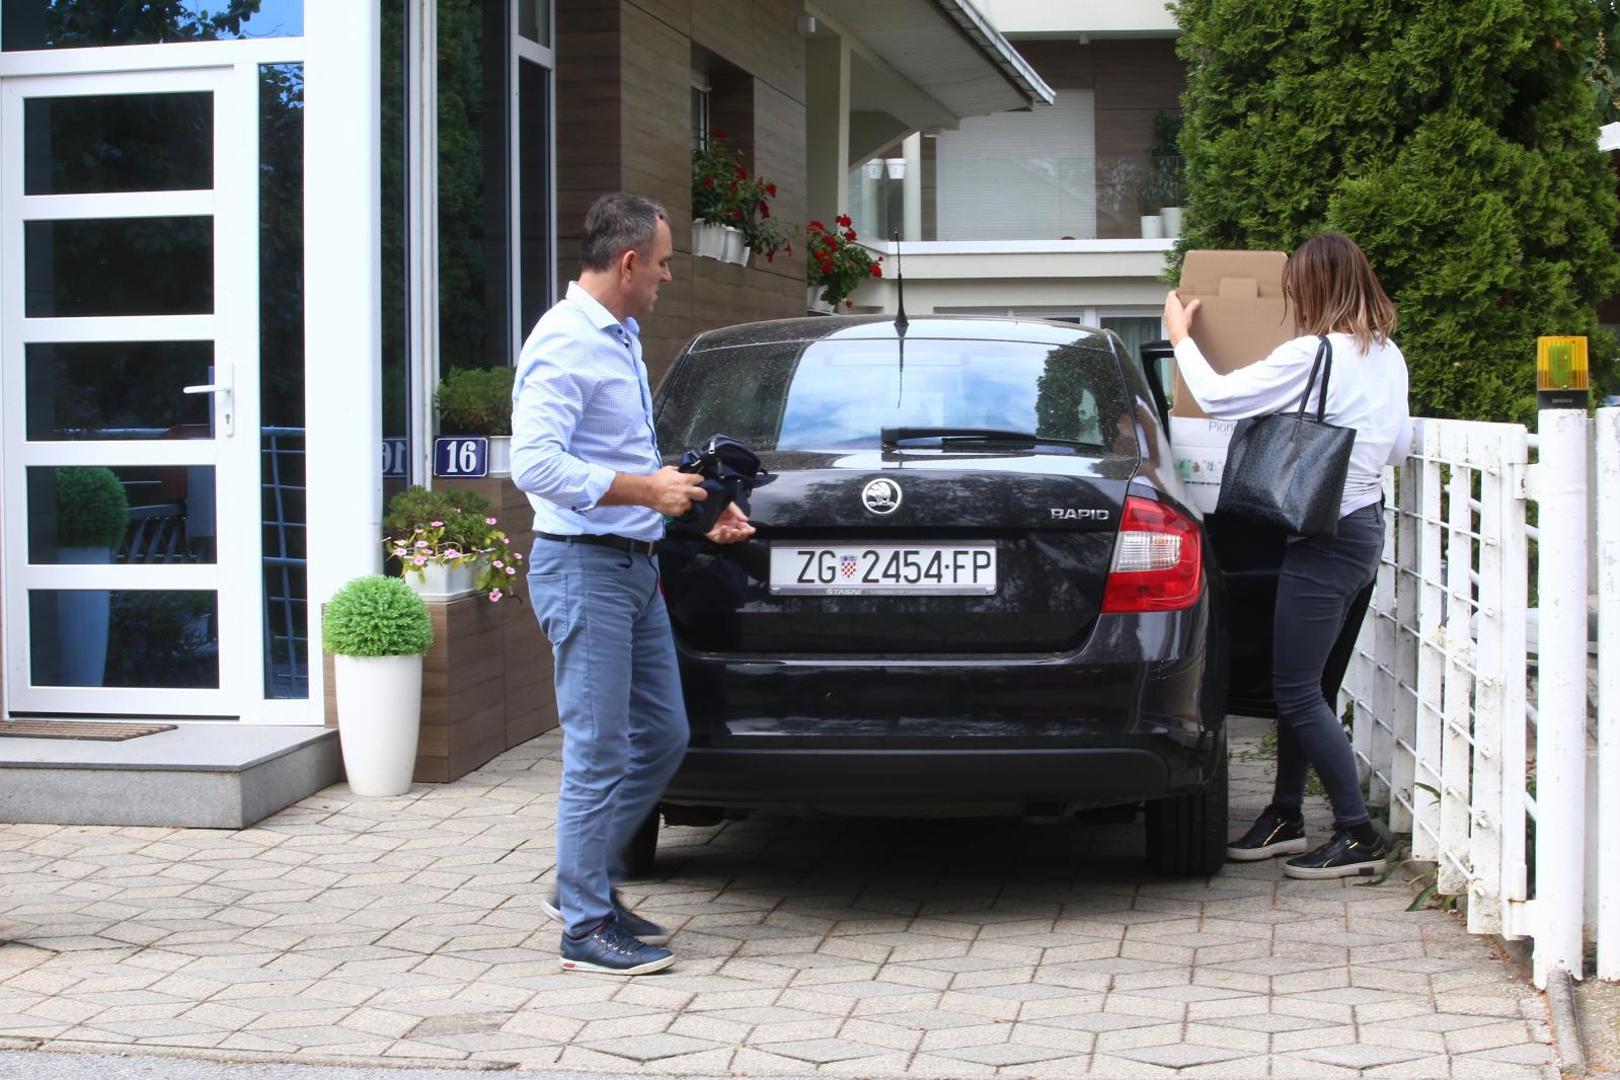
column 928, row 780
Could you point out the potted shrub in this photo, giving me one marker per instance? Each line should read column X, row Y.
column 731, row 208
column 449, row 544
column 92, row 516
column 836, row 264
column 478, row 401
column 377, row 629
column 1148, row 200
column 1167, row 166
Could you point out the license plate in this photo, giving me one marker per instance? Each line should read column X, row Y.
column 883, row 569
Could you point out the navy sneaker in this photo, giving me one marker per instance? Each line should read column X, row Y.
column 633, row 924
column 1342, row 856
column 609, row 950
column 1269, row 836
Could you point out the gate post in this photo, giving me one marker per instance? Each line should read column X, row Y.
column 1608, row 563
column 1560, row 491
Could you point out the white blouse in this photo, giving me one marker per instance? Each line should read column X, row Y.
column 1367, row 392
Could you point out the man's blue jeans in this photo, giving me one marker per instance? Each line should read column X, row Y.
column 619, row 701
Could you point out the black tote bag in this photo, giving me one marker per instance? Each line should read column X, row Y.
column 1288, row 469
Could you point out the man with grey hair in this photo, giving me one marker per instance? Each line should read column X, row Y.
column 585, row 452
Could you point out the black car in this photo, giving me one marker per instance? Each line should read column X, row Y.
column 977, row 585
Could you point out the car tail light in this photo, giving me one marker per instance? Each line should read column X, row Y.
column 1158, row 560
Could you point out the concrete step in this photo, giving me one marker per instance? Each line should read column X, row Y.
column 200, row 775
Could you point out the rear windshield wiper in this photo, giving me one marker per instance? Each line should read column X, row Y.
column 898, row 437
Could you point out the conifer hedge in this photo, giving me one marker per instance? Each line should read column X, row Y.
column 1456, row 142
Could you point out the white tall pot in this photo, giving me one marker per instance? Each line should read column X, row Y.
column 379, row 702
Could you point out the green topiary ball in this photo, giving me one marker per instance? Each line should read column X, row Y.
column 376, row 616
column 91, row 507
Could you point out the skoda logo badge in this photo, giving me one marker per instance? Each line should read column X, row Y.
column 881, row 496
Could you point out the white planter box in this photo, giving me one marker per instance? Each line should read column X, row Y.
column 500, row 455
column 813, row 301
column 1170, row 216
column 379, row 704
column 441, row 582
column 1152, row 227
column 708, row 241
column 736, row 248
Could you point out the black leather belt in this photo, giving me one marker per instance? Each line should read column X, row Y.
column 618, row 543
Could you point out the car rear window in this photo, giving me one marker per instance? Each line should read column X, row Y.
column 840, row 394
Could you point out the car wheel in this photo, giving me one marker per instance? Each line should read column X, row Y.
column 643, row 847
column 1186, row 834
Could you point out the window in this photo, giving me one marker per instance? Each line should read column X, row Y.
column 834, row 395
column 700, row 115
column 74, row 24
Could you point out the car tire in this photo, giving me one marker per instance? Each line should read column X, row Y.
column 642, row 850
column 1186, row 834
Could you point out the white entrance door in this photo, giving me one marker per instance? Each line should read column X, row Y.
column 129, row 345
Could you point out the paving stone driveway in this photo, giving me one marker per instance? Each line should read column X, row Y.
column 410, row 929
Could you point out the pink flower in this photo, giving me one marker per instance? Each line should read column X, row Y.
column 423, row 544
column 516, row 555
column 511, row 569
column 436, row 524
column 399, row 553
column 489, row 521
column 494, row 596
column 420, row 560
column 451, row 553
column 498, row 564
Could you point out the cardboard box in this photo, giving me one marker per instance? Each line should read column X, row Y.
column 1242, row 314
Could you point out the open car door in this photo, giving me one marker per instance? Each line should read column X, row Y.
column 1248, row 556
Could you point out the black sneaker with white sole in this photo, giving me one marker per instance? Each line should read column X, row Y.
column 610, row 950
column 1270, row 835
column 633, row 924
column 1342, row 856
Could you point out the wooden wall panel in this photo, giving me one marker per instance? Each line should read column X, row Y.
column 639, row 54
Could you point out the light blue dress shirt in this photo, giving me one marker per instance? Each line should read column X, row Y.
column 581, row 412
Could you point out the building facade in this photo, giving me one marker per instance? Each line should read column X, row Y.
column 241, row 240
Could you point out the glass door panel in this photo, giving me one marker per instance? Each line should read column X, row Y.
column 129, row 347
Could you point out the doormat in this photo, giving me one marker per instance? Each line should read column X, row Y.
column 78, row 729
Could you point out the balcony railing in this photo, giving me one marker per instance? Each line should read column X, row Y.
column 1027, row 198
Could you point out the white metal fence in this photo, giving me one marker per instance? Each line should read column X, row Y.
column 1468, row 695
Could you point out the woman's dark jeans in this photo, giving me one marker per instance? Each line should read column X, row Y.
column 1320, row 577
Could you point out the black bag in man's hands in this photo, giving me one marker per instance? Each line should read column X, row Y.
column 730, row 472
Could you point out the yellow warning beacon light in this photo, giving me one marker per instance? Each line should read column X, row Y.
column 1560, row 363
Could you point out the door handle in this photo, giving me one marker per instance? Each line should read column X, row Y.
column 225, row 400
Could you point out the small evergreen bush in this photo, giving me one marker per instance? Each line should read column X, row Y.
column 476, row 401
column 91, row 507
column 376, row 616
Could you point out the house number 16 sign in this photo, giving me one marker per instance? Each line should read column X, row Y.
column 461, row 455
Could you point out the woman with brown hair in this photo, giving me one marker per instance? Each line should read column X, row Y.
column 1334, row 294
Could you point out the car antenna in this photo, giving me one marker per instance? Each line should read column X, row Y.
column 900, row 320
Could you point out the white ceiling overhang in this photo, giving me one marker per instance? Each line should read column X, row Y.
column 956, row 62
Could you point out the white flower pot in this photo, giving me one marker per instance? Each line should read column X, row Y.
column 440, row 581
column 735, row 246
column 1152, row 227
column 1170, row 216
column 896, row 167
column 813, row 301
column 500, row 455
column 379, row 704
column 708, row 240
